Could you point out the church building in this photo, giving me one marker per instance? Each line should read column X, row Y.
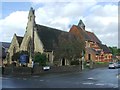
column 39, row 38
column 43, row 39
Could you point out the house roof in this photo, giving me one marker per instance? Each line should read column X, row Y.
column 79, row 32
column 93, row 37
column 4, row 44
column 19, row 39
column 91, row 50
column 105, row 48
column 48, row 36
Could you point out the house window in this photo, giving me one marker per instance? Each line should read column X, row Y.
column 89, row 56
column 106, row 56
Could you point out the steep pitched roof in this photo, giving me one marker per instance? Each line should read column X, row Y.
column 105, row 48
column 48, row 36
column 52, row 37
column 86, row 35
column 76, row 30
column 19, row 39
column 93, row 37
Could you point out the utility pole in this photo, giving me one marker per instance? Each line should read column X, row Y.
column 32, row 48
column 82, row 59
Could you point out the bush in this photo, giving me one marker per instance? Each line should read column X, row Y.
column 40, row 58
column 76, row 62
column 101, row 62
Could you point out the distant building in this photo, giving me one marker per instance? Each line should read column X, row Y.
column 94, row 49
column 3, row 52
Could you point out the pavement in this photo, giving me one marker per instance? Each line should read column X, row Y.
column 94, row 78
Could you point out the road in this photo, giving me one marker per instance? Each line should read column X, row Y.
column 95, row 78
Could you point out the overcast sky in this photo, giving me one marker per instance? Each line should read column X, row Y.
column 99, row 17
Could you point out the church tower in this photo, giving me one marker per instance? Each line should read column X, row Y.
column 28, row 40
column 81, row 25
column 31, row 22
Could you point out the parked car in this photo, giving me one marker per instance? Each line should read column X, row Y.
column 46, row 68
column 117, row 65
column 112, row 65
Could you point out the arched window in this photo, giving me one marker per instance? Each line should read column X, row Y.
column 63, row 62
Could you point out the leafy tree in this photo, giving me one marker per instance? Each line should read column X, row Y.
column 40, row 58
column 15, row 56
column 115, row 50
column 118, row 51
column 69, row 47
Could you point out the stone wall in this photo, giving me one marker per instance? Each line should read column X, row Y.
column 16, row 71
column 38, row 70
column 55, row 69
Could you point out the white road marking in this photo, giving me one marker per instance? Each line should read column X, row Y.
column 41, row 80
column 118, row 76
column 90, row 78
column 100, row 84
column 87, row 83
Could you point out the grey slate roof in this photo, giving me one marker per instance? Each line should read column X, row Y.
column 104, row 47
column 93, row 37
column 48, row 36
column 4, row 44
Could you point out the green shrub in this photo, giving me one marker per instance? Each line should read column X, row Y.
column 76, row 62
column 40, row 58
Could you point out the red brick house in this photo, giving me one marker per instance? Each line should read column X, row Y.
column 94, row 49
